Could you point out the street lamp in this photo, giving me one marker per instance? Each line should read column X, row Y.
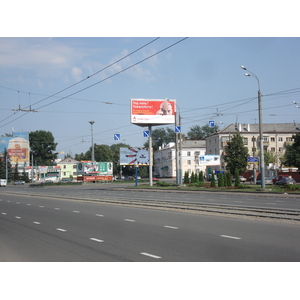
column 261, row 155
column 93, row 157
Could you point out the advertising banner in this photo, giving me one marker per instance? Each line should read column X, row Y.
column 208, row 160
column 150, row 111
column 17, row 147
column 86, row 167
column 134, row 156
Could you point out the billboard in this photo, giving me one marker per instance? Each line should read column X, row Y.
column 146, row 112
column 134, row 156
column 86, row 167
column 208, row 160
column 17, row 147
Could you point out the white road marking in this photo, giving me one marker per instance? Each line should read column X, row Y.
column 150, row 255
column 41, row 206
column 17, row 217
column 18, row 202
column 96, row 240
column 57, row 208
column 60, row 229
column 28, row 204
column 129, row 220
column 99, row 215
column 3, row 213
column 8, row 201
column 38, row 223
column 231, row 237
column 171, row 227
column 76, row 211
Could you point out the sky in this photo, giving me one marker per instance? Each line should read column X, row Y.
column 69, row 81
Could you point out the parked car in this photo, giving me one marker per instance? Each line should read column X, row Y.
column 286, row 180
column 154, row 179
column 66, row 180
column 17, row 182
column 268, row 180
column 242, row 179
column 279, row 178
column 3, row 182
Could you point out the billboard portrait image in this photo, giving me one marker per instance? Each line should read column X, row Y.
column 150, row 111
column 134, row 156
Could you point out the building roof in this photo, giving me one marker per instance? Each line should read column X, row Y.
column 68, row 160
column 266, row 128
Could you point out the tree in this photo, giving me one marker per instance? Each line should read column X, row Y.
column 221, row 180
column 292, row 154
column 213, row 180
column 186, row 177
column 161, row 136
column 201, row 177
column 43, row 147
column 200, row 132
column 237, row 181
column 236, row 154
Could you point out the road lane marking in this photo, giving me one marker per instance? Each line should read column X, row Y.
column 171, row 227
column 60, row 229
column 129, row 220
column 38, row 223
column 17, row 217
column 76, row 211
column 3, row 213
column 96, row 240
column 231, row 237
column 41, row 206
column 57, row 208
column 97, row 215
column 150, row 255
column 28, row 204
column 18, row 202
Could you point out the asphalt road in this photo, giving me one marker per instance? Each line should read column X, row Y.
column 37, row 228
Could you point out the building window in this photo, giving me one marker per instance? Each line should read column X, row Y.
column 280, row 139
column 273, row 149
column 272, row 139
column 65, row 166
column 189, row 162
column 65, row 173
column 280, row 149
column 197, row 153
column 245, row 141
column 289, row 139
column 74, row 166
column 266, row 138
column 189, row 153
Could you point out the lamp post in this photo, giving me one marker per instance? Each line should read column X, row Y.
column 93, row 157
column 261, row 155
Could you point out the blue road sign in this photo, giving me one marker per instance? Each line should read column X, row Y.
column 117, row 136
column 177, row 129
column 252, row 160
column 211, row 123
column 146, row 133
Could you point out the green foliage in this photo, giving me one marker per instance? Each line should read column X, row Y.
column 213, row 180
column 292, row 154
column 201, row 177
column 200, row 132
column 193, row 177
column 221, row 180
column 161, row 136
column 237, row 181
column 186, row 177
column 236, row 154
column 43, row 147
column 228, row 179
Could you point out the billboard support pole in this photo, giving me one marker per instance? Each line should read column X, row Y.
column 150, row 156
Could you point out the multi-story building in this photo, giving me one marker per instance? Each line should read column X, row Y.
column 165, row 158
column 275, row 138
column 68, row 167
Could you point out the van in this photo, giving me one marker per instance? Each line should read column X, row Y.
column 3, row 182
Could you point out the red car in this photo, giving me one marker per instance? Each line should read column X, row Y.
column 279, row 178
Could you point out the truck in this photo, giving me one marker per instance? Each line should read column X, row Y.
column 3, row 182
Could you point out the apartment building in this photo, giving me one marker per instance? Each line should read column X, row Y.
column 275, row 139
column 165, row 158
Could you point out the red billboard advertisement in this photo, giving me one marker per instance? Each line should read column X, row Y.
column 150, row 111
